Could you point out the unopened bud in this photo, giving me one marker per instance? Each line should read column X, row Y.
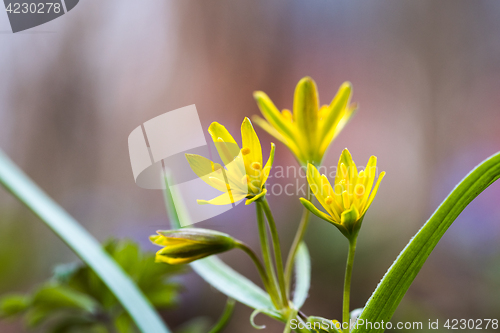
column 183, row 246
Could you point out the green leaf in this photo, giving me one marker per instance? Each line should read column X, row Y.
column 65, row 272
column 302, row 276
column 57, row 297
column 84, row 245
column 126, row 254
column 124, row 324
column 13, row 304
column 36, row 316
column 397, row 280
column 163, row 296
column 76, row 324
column 233, row 284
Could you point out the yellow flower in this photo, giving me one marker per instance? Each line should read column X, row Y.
column 244, row 175
column 347, row 202
column 309, row 130
column 183, row 246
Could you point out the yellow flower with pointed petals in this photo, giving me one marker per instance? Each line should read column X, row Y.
column 310, row 129
column 243, row 174
column 183, row 246
column 348, row 200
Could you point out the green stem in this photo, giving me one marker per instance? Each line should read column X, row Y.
column 258, row 264
column 266, row 254
column 299, row 236
column 226, row 315
column 347, row 281
column 277, row 249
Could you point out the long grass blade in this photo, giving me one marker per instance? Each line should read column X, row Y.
column 83, row 244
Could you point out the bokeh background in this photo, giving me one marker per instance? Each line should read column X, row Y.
column 426, row 75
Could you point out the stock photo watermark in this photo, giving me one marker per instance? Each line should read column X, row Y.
column 26, row 14
column 449, row 324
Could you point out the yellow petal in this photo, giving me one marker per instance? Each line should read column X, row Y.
column 335, row 130
column 219, row 184
column 224, row 142
column 371, row 168
column 274, row 132
column 374, row 192
column 349, row 113
column 306, row 112
column 349, row 169
column 323, row 111
column 224, row 199
column 336, row 109
column 346, row 168
column 309, row 205
column 346, row 200
column 217, row 131
column 158, row 240
column 269, row 164
column 269, row 128
column 287, row 114
column 274, row 116
column 370, row 173
column 317, row 186
column 177, row 261
column 333, row 208
column 235, row 173
column 206, row 169
column 250, row 141
column 313, row 178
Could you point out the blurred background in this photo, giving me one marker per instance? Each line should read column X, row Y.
column 426, row 75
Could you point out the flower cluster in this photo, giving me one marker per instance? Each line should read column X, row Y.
column 307, row 132
column 244, row 175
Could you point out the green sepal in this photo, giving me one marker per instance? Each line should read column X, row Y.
column 257, row 197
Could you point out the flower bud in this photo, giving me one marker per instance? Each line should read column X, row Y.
column 183, row 246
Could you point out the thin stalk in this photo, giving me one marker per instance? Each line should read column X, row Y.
column 260, row 268
column 226, row 315
column 277, row 249
column 266, row 254
column 347, row 282
column 299, row 236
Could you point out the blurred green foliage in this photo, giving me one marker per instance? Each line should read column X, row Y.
column 76, row 300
